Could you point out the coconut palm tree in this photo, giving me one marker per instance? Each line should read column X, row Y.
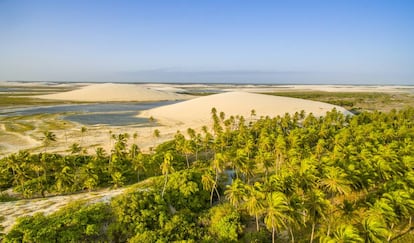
column 156, row 134
column 166, row 168
column 209, row 183
column 334, row 181
column 276, row 213
column 83, row 131
column 255, row 202
column 345, row 233
column 235, row 192
column 75, row 148
column 318, row 206
column 217, row 166
column 374, row 229
column 139, row 164
column 48, row 138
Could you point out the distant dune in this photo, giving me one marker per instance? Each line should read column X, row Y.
column 115, row 92
column 197, row 111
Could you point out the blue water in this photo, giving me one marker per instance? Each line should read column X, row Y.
column 113, row 119
column 114, row 114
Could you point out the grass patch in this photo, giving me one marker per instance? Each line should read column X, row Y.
column 357, row 102
column 18, row 127
column 7, row 101
column 4, row 197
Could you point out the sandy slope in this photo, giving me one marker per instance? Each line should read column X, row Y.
column 197, row 111
column 14, row 209
column 115, row 92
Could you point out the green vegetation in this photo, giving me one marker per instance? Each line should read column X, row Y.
column 20, row 96
column 356, row 102
column 289, row 179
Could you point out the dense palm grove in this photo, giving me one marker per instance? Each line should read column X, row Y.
column 294, row 178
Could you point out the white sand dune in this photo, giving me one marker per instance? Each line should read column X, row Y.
column 197, row 111
column 115, row 92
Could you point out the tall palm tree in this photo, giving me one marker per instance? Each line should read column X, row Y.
column 166, row 168
column 48, row 138
column 209, row 183
column 156, row 134
column 235, row 192
column 317, row 206
column 276, row 212
column 138, row 163
column 217, row 165
column 255, row 202
column 83, row 131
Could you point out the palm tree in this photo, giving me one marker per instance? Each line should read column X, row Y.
column 138, row 163
column 209, row 183
column 187, row 150
column 235, row 192
column 252, row 113
column 317, row 206
column 334, row 181
column 166, row 168
column 134, row 147
column 117, row 179
column 276, row 212
column 48, row 137
column 217, row 166
column 83, row 131
column 255, row 202
column 156, row 135
column 344, row 234
column 64, row 179
column 374, row 229
column 75, row 148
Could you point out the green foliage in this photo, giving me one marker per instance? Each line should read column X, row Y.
column 4, row 197
column 145, row 214
column 225, row 223
column 75, row 223
column 296, row 178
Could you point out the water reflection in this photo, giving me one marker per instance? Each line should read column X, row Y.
column 115, row 114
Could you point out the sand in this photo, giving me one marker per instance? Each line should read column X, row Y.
column 196, row 112
column 28, row 207
column 115, row 92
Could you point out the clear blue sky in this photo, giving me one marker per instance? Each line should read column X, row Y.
column 291, row 41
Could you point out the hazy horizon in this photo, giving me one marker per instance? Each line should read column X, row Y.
column 295, row 42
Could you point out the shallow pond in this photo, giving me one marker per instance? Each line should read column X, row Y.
column 114, row 114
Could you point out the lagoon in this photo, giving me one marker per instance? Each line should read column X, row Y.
column 113, row 114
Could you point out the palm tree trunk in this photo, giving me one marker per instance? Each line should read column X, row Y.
column 329, row 229
column 313, row 232
column 218, row 194
column 273, row 234
column 291, row 235
column 257, row 223
column 389, row 236
column 211, row 196
column 165, row 185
